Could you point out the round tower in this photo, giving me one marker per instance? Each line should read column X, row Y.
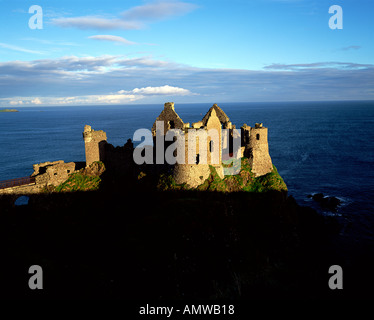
column 191, row 174
column 258, row 150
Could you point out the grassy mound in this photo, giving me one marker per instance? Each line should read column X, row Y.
column 79, row 182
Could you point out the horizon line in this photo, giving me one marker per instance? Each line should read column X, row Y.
column 181, row 103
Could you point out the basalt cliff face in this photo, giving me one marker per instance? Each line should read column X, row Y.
column 173, row 244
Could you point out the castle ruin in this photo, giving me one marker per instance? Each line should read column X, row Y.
column 200, row 152
column 253, row 145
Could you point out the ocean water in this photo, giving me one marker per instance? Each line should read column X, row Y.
column 323, row 147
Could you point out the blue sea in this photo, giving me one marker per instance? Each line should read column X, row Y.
column 323, row 147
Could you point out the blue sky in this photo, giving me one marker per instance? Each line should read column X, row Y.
column 120, row 52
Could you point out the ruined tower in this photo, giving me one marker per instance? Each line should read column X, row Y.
column 94, row 142
column 202, row 146
column 204, row 150
column 257, row 149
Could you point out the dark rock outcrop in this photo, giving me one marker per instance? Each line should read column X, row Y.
column 330, row 203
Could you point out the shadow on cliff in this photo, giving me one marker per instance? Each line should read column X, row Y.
column 129, row 241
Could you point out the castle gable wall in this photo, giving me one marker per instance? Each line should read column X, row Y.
column 170, row 118
column 223, row 118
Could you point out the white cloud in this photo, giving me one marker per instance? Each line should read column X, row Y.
column 163, row 90
column 114, row 98
column 147, row 62
column 351, row 48
column 20, row 49
column 99, row 80
column 36, row 101
column 51, row 42
column 15, row 102
column 77, row 68
column 121, row 97
column 93, row 22
column 133, row 18
column 318, row 65
column 117, row 39
column 75, row 100
column 158, row 10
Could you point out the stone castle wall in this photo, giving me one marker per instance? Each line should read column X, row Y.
column 191, row 174
column 45, row 174
column 25, row 189
column 52, row 173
